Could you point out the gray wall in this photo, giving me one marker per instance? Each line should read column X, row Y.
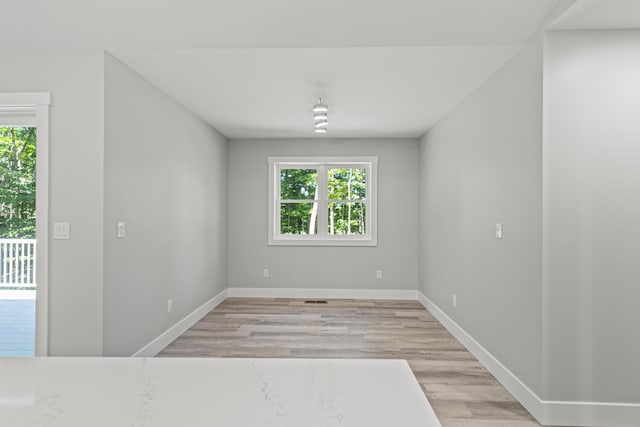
column 323, row 267
column 592, row 212
column 479, row 166
column 166, row 177
column 74, row 79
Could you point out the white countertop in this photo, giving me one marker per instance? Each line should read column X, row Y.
column 195, row 392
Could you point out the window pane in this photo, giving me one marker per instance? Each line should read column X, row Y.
column 347, row 218
column 347, row 183
column 298, row 184
column 298, row 218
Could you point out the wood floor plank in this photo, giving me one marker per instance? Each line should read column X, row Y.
column 17, row 327
column 461, row 391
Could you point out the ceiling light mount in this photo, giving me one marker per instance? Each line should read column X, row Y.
column 320, row 107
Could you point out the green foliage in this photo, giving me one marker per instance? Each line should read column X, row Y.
column 17, row 182
column 347, row 187
column 347, row 183
column 298, row 184
column 296, row 217
column 347, row 218
column 346, row 208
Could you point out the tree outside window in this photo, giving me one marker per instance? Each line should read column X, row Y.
column 17, row 182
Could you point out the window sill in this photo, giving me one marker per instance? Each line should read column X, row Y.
column 323, row 242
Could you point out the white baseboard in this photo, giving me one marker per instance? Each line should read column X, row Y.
column 167, row 337
column 390, row 294
column 591, row 414
column 517, row 388
column 555, row 413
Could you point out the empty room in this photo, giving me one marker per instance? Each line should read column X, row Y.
column 291, row 213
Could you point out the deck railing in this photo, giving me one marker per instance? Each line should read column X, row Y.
column 18, row 263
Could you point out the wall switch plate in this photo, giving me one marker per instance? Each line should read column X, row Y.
column 61, row 230
column 454, row 300
column 498, row 231
column 169, row 306
column 265, row 273
column 379, row 274
column 122, row 230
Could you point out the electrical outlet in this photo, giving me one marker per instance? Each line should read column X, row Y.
column 498, row 231
column 265, row 273
column 169, row 306
column 379, row 274
column 454, row 300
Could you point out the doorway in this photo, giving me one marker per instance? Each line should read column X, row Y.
column 24, row 174
column 17, row 240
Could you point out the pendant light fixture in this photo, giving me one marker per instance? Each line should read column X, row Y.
column 320, row 116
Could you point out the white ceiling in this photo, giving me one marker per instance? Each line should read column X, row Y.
column 253, row 68
column 600, row 15
column 268, row 23
column 268, row 93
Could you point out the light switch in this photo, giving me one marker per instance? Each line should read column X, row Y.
column 61, row 230
column 498, row 231
column 122, row 230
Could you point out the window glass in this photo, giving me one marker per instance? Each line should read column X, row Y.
column 347, row 183
column 347, row 218
column 298, row 218
column 298, row 184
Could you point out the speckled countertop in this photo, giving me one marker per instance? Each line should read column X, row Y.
column 194, row 392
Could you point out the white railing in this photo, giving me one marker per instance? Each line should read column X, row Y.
column 18, row 263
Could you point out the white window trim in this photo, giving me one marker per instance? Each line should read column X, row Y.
column 322, row 238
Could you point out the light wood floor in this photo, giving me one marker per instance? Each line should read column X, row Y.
column 461, row 391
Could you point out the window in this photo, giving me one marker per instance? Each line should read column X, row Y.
column 322, row 201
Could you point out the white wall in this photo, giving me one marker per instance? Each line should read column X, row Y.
column 74, row 79
column 592, row 215
column 555, row 301
column 479, row 166
column 323, row 267
column 166, row 177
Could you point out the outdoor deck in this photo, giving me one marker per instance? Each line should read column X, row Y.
column 17, row 323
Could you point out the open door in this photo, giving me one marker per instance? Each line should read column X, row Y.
column 24, row 173
column 17, row 240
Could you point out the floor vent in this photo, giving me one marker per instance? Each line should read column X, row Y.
column 317, row 301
